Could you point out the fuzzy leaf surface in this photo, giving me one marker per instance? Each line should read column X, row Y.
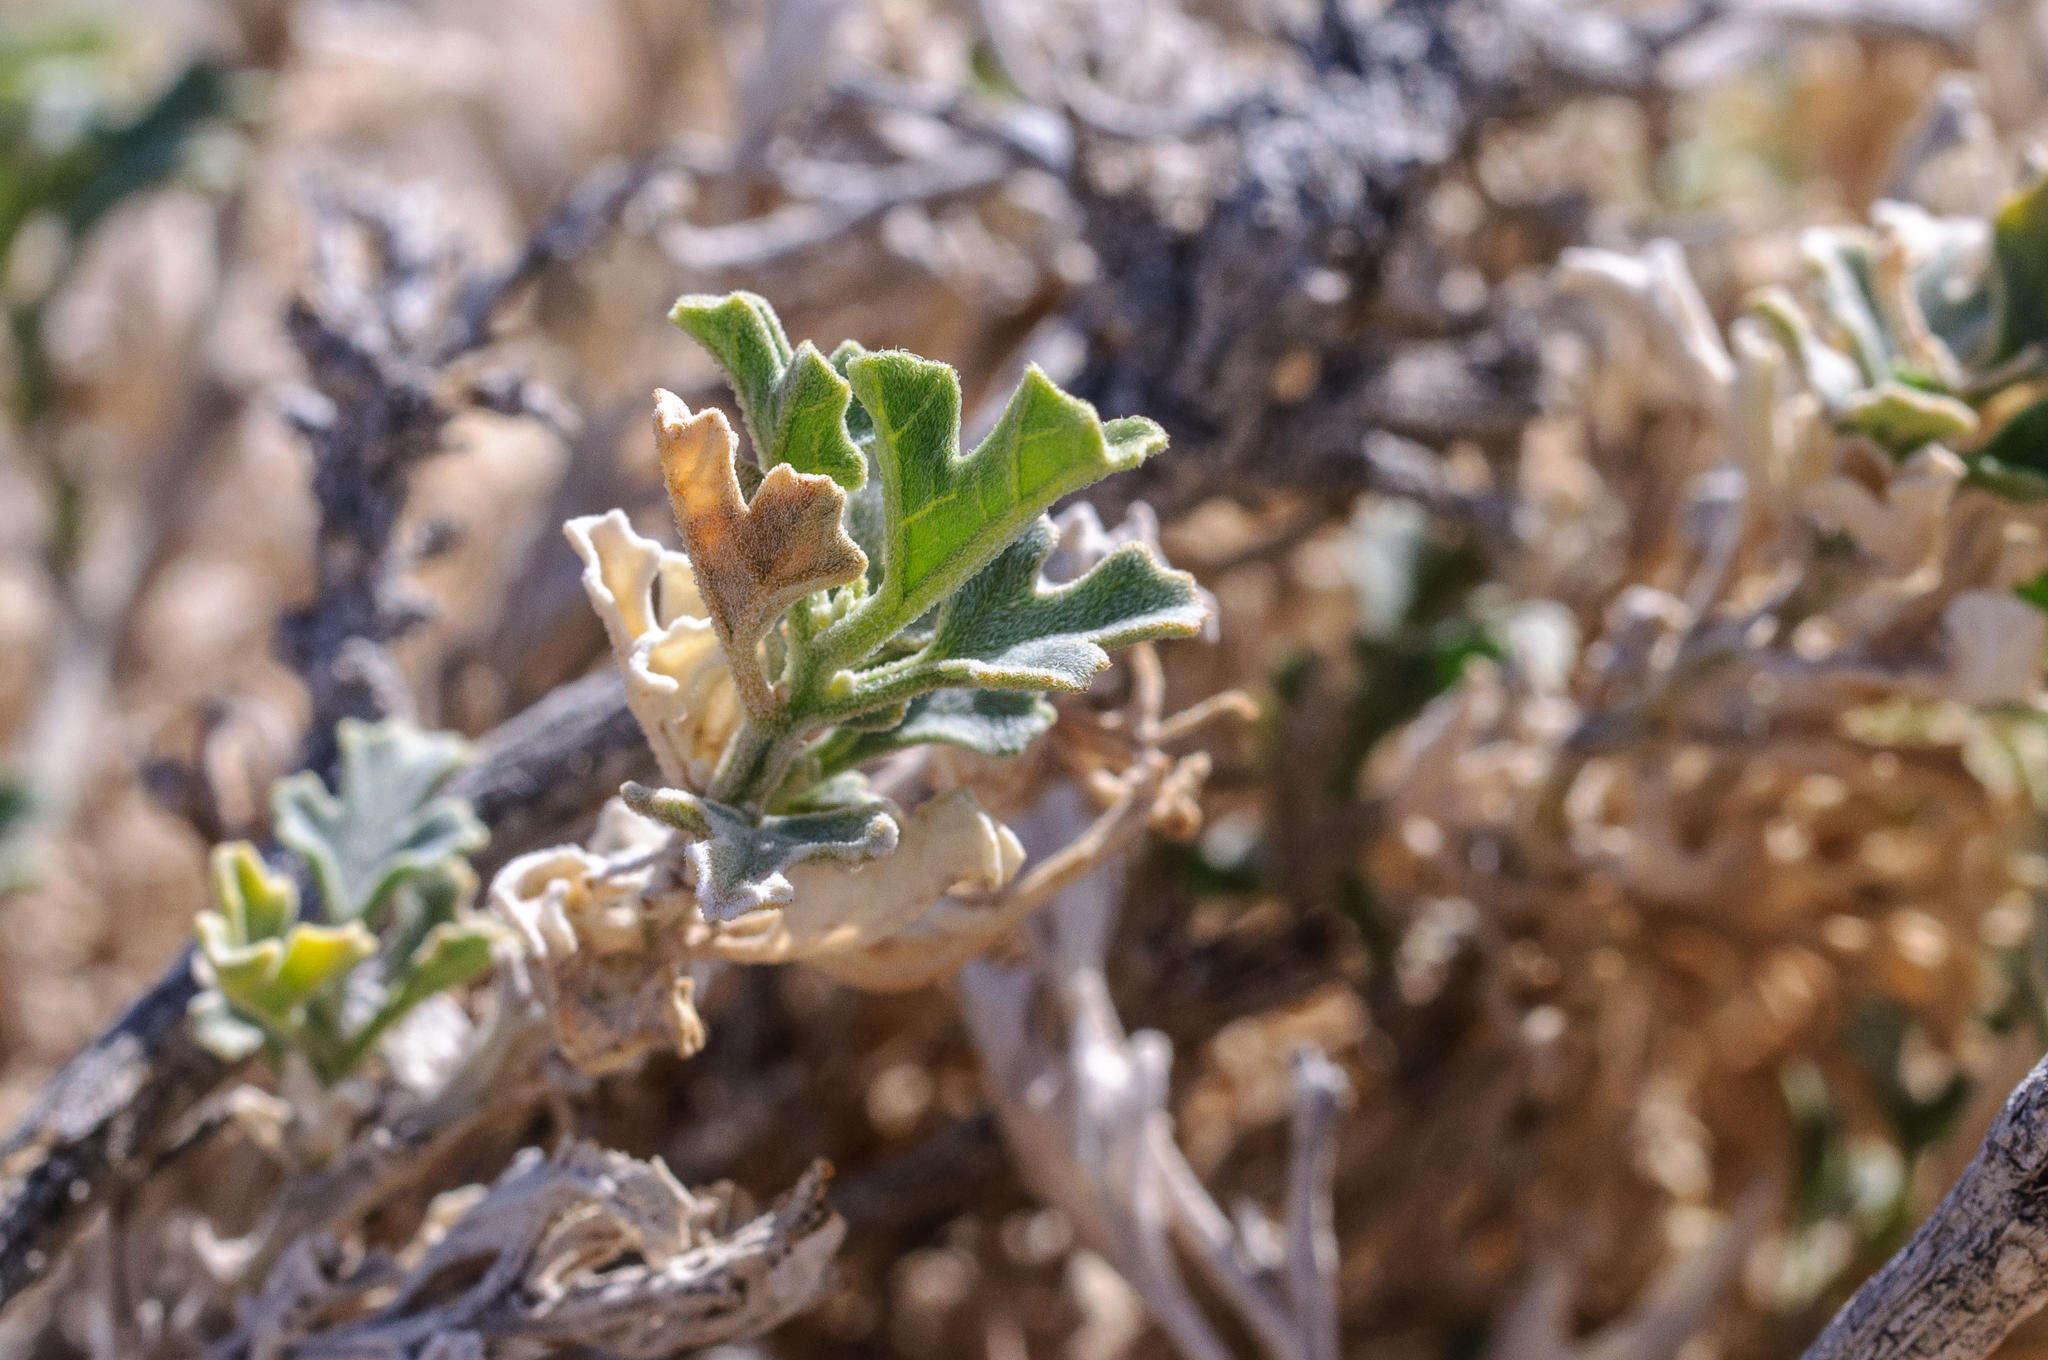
column 793, row 401
column 993, row 722
column 752, row 561
column 946, row 514
column 386, row 821
column 1008, row 628
column 740, row 861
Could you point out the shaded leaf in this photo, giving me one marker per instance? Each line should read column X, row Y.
column 453, row 954
column 793, row 401
column 2022, row 441
column 2034, row 591
column 740, row 861
column 387, row 819
column 1008, row 629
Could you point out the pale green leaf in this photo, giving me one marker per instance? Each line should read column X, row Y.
column 991, row 721
column 387, row 820
column 1902, row 419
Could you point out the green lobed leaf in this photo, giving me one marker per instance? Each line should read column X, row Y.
column 740, row 862
column 947, row 515
column 388, row 820
column 793, row 401
column 431, row 898
column 268, row 979
column 1008, row 629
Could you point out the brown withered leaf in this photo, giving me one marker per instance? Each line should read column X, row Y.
column 752, row 560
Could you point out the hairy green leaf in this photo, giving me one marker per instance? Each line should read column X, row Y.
column 739, row 860
column 994, row 722
column 387, row 819
column 793, row 401
column 1007, row 628
column 385, row 851
column 946, row 515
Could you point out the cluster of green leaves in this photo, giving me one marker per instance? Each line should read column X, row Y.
column 947, row 630
column 1940, row 342
column 384, row 854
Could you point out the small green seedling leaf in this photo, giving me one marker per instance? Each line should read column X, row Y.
column 387, row 819
column 385, row 851
column 264, row 961
column 793, row 401
column 740, row 861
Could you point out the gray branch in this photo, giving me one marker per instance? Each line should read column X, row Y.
column 1977, row 1268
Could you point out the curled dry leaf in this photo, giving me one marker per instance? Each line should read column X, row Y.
column 752, row 561
column 580, row 915
column 615, row 935
column 677, row 682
